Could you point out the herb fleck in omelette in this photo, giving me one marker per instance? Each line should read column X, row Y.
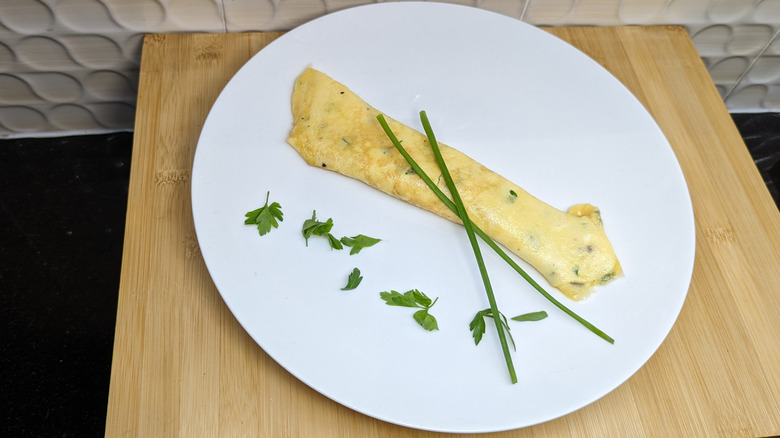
column 336, row 130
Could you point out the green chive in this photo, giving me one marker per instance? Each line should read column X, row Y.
column 501, row 253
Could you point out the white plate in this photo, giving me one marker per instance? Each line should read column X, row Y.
column 515, row 98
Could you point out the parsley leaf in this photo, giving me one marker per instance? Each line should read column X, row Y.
column 313, row 227
column 358, row 242
column 477, row 325
column 426, row 320
column 353, row 280
column 414, row 298
column 394, row 298
column 531, row 316
column 334, row 242
column 265, row 217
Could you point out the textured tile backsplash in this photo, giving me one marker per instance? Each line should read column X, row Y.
column 71, row 66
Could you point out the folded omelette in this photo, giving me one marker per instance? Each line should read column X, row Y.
column 336, row 130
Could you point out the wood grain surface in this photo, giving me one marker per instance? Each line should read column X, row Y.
column 183, row 366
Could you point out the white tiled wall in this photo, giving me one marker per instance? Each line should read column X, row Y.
column 71, row 66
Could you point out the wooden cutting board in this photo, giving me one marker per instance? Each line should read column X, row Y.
column 183, row 366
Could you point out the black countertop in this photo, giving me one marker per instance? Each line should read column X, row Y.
column 62, row 217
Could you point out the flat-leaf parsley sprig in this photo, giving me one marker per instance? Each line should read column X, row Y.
column 359, row 242
column 477, row 325
column 353, row 280
column 531, row 316
column 416, row 299
column 313, row 227
column 265, row 217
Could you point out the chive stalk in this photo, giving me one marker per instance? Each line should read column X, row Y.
column 501, row 253
column 459, row 209
column 464, row 217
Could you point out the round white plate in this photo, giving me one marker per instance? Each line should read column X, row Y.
column 515, row 98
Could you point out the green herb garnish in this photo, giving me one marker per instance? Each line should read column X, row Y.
column 531, row 316
column 334, row 242
column 513, row 193
column 265, row 217
column 464, row 217
column 358, row 242
column 416, row 299
column 421, row 173
column 477, row 325
column 353, row 280
column 313, row 227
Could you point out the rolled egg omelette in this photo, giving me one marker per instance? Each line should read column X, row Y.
column 334, row 129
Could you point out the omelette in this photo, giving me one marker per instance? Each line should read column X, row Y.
column 334, row 129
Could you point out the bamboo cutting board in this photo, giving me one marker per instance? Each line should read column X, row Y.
column 183, row 366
